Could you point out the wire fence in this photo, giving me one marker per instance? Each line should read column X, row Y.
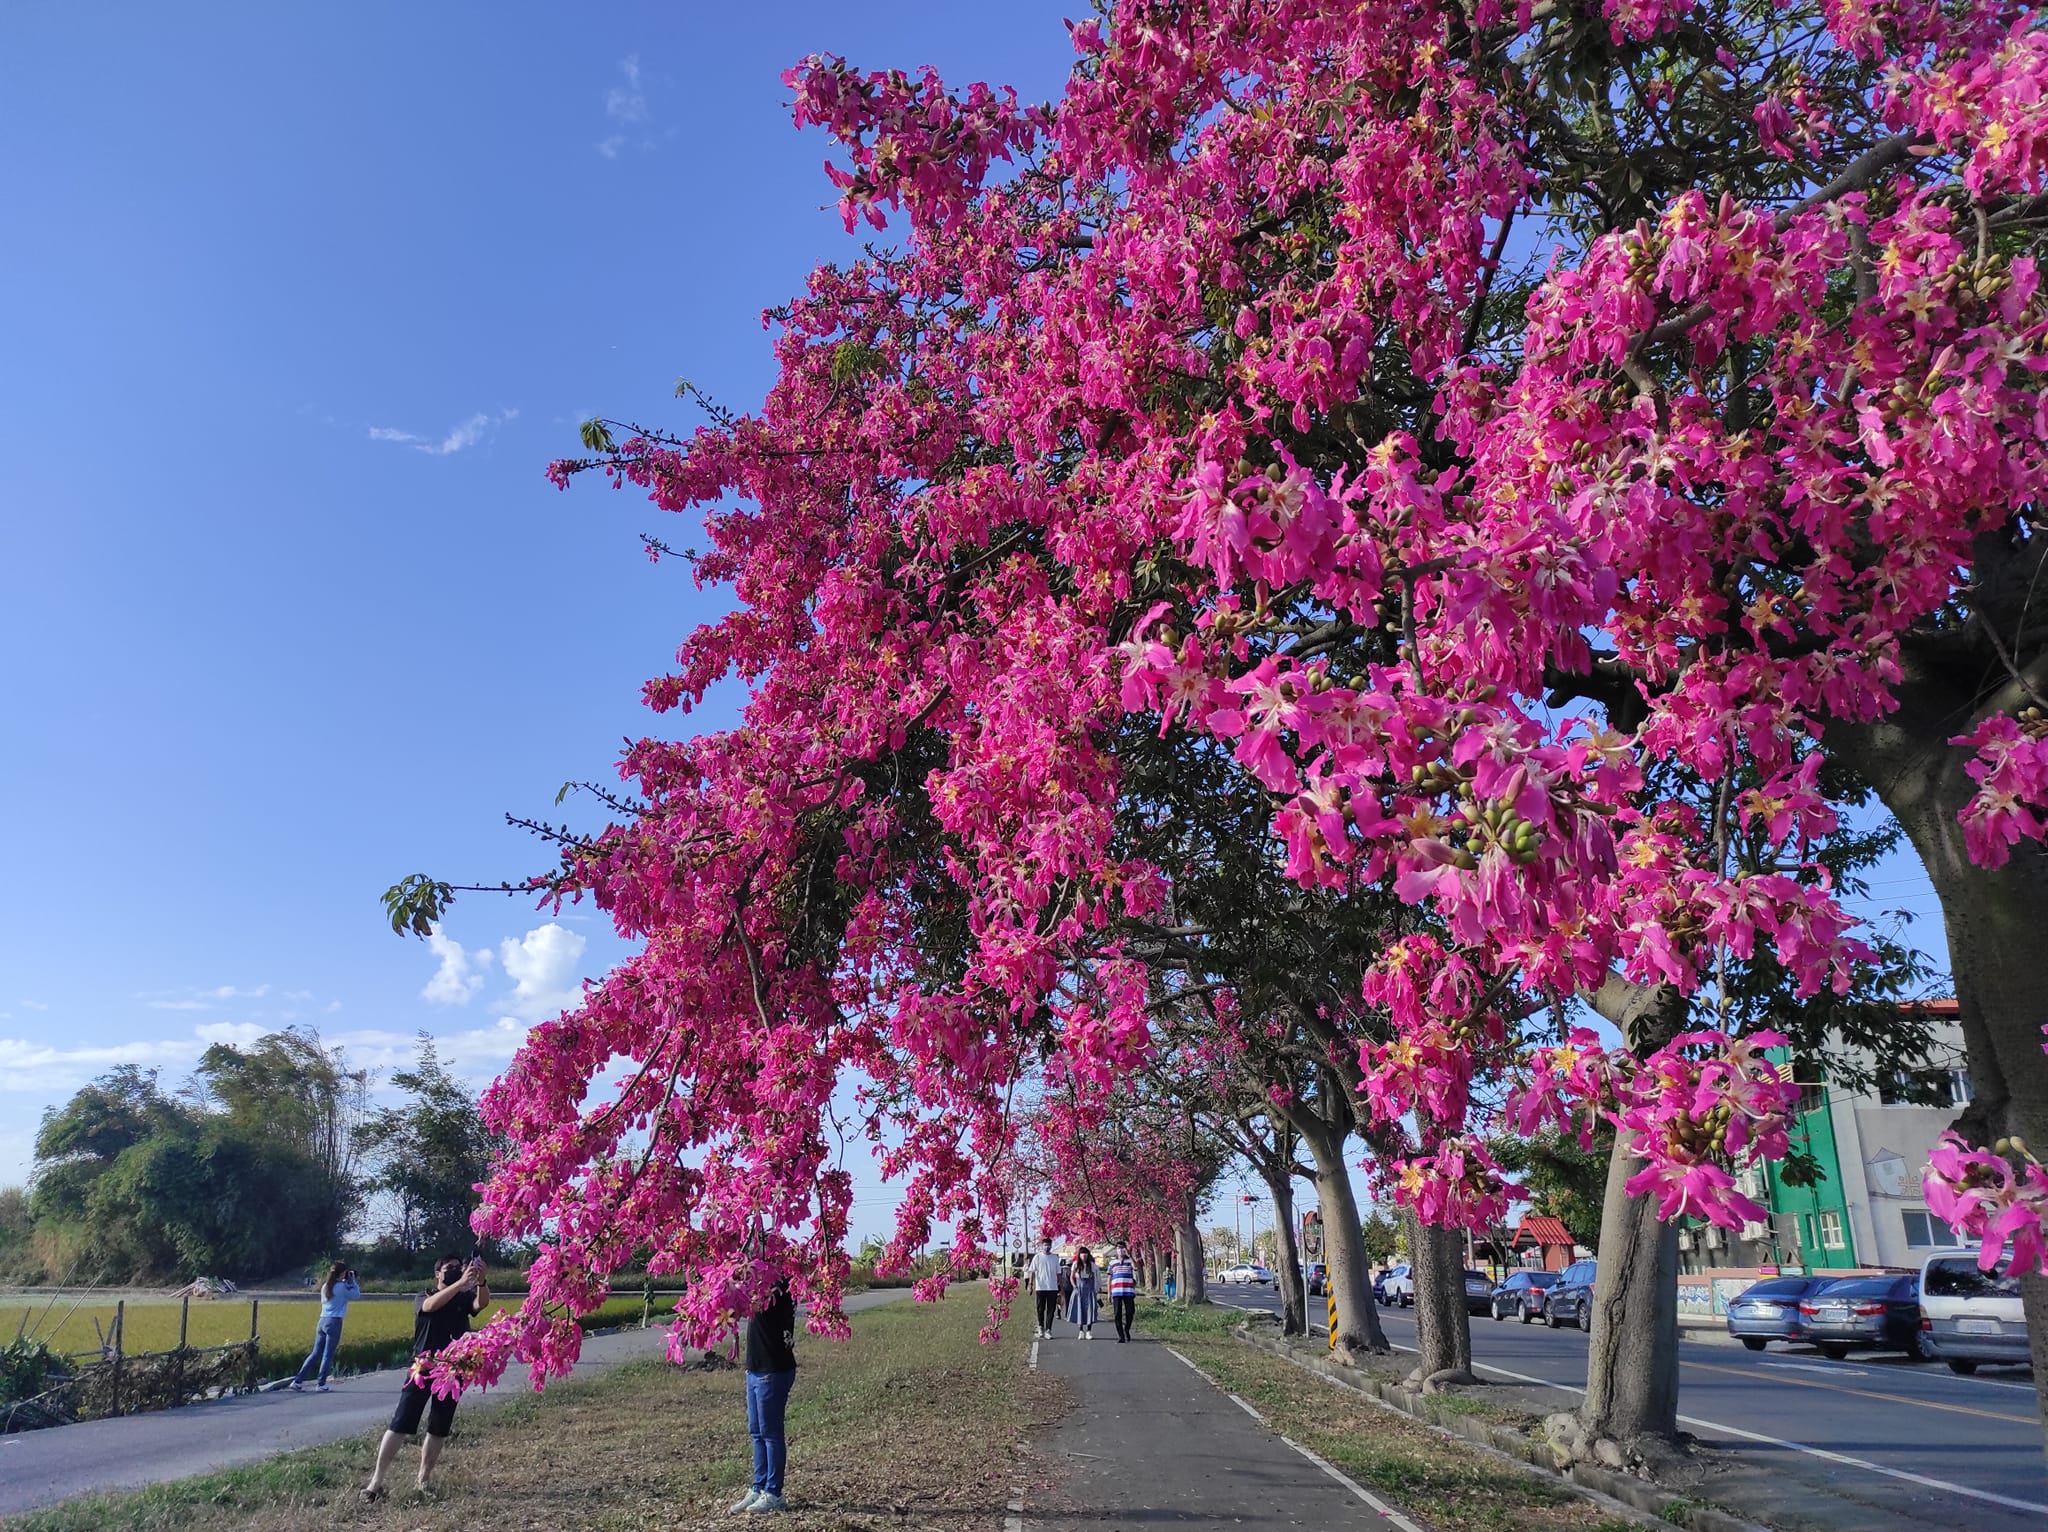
column 111, row 1380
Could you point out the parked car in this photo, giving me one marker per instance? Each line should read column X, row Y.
column 1318, row 1278
column 1868, row 1313
column 1769, row 1310
column 1398, row 1286
column 1246, row 1274
column 1521, row 1294
column 1571, row 1297
column 1969, row 1315
column 1478, row 1292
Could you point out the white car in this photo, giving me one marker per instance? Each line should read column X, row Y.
column 1245, row 1274
column 1398, row 1287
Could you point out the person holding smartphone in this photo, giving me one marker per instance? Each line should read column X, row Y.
column 336, row 1292
column 439, row 1318
column 771, row 1373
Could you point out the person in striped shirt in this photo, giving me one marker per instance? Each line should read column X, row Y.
column 1123, row 1292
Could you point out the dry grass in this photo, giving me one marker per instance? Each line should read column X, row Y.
column 1446, row 1483
column 908, row 1425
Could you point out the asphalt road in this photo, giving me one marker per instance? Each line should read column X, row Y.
column 1911, row 1442
column 39, row 1468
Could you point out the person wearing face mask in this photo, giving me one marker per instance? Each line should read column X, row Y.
column 1123, row 1292
column 439, row 1318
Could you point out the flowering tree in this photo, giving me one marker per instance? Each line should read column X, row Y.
column 1451, row 412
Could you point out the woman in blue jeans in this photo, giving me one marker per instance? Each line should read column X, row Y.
column 335, row 1294
column 771, row 1370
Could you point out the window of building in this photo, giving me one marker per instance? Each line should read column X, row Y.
column 1926, row 1232
column 1831, row 1232
column 1961, row 1091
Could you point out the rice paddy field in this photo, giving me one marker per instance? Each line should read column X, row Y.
column 377, row 1333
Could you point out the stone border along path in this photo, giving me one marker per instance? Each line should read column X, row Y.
column 1151, row 1438
column 40, row 1468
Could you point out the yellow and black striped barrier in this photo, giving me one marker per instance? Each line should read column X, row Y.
column 1331, row 1298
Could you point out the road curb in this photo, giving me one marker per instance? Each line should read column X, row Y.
column 1663, row 1507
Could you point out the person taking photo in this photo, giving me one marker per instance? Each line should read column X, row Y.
column 439, row 1318
column 336, row 1292
column 771, row 1373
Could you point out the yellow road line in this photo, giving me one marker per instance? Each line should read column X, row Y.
column 1866, row 1393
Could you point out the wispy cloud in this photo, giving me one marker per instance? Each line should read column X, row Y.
column 466, row 433
column 36, row 1005
column 625, row 105
column 180, row 1005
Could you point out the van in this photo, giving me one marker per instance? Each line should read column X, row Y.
column 1969, row 1315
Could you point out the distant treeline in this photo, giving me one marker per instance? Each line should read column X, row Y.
column 267, row 1160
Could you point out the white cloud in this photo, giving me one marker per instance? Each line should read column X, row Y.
column 464, row 434
column 609, row 148
column 230, row 992
column 460, row 975
column 542, row 966
column 179, row 1005
column 624, row 103
column 31, row 1066
column 35, row 1005
column 332, row 1007
column 236, row 1034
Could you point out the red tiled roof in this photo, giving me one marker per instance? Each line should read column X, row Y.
column 1543, row 1231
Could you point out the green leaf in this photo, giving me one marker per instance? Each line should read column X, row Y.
column 596, row 437
column 416, row 904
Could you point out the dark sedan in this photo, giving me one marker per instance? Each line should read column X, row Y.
column 1770, row 1310
column 1522, row 1294
column 1572, row 1299
column 1478, row 1292
column 1870, row 1313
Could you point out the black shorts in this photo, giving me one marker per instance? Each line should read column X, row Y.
column 417, row 1397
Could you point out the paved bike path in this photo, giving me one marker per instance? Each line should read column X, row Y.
column 1151, row 1441
column 39, row 1468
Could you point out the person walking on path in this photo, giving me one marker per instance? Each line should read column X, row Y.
column 335, row 1294
column 1123, row 1293
column 1045, row 1272
column 439, row 1318
column 1081, row 1306
column 771, row 1372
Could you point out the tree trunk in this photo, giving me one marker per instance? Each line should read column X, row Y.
column 1443, row 1329
column 1358, row 1322
column 1632, row 1355
column 1293, row 1305
column 1994, row 920
column 1189, row 1286
column 1632, row 1362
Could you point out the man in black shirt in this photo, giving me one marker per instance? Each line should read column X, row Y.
column 439, row 1317
column 771, row 1369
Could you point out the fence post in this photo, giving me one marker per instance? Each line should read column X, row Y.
column 120, row 1317
column 178, row 1356
column 254, row 1380
column 646, row 1300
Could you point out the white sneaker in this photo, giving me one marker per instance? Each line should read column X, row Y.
column 764, row 1503
column 322, row 1388
column 744, row 1503
column 296, row 1386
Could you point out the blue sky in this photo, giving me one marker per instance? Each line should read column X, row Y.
column 296, row 304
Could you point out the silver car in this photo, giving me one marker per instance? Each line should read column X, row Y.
column 1770, row 1310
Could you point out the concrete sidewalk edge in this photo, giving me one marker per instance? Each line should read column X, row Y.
column 1637, row 1498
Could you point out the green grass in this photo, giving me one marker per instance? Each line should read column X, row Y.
column 377, row 1332
column 646, row 1446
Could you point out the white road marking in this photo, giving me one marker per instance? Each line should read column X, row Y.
column 1014, row 1522
column 1032, row 1361
column 1832, row 1369
column 1342, row 1478
column 1815, row 1452
column 1355, row 1487
column 1868, row 1466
